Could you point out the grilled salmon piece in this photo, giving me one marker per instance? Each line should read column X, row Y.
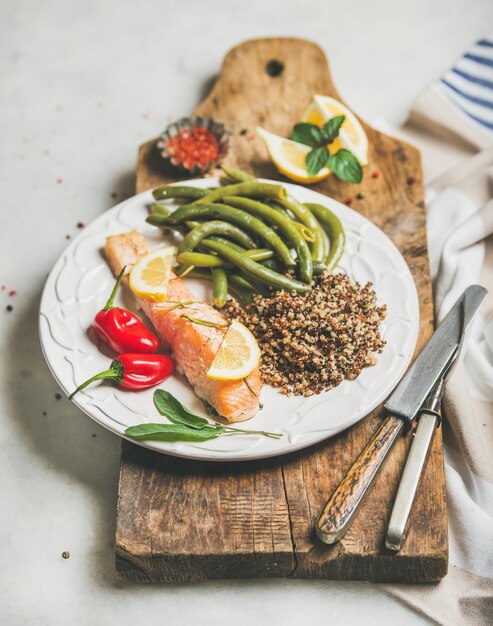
column 193, row 345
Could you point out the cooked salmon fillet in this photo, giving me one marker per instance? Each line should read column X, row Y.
column 193, row 345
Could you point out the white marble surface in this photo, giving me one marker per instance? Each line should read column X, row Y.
column 83, row 83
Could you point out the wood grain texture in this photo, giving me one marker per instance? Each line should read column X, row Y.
column 185, row 520
column 349, row 495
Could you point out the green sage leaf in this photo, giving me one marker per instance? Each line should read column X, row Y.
column 331, row 128
column 345, row 166
column 172, row 432
column 174, row 410
column 309, row 134
column 316, row 159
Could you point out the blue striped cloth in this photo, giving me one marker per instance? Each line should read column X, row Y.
column 469, row 84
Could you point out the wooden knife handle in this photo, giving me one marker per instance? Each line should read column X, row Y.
column 344, row 502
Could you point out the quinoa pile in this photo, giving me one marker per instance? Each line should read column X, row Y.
column 312, row 342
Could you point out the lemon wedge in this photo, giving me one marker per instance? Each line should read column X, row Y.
column 150, row 275
column 238, row 355
column 351, row 135
column 289, row 157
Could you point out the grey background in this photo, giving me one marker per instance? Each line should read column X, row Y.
column 82, row 84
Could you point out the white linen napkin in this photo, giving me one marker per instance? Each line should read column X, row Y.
column 450, row 117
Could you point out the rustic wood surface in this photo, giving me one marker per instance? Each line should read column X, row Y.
column 350, row 494
column 182, row 520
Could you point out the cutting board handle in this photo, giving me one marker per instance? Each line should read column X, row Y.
column 341, row 507
column 266, row 82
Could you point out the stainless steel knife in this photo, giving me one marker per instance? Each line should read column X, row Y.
column 403, row 406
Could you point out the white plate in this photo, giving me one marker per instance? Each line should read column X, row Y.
column 81, row 281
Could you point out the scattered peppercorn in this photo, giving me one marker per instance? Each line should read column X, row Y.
column 375, row 174
column 9, row 308
column 114, row 195
column 411, row 180
column 45, row 413
column 243, row 131
column 94, row 435
column 67, row 236
column 80, row 224
column 359, row 196
column 66, row 555
column 58, row 396
column 312, row 342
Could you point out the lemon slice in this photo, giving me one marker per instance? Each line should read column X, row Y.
column 289, row 157
column 238, row 355
column 149, row 276
column 351, row 135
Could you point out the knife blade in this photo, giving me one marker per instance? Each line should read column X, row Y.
column 421, row 377
column 403, row 406
column 429, row 418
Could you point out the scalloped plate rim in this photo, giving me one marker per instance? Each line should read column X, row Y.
column 194, row 451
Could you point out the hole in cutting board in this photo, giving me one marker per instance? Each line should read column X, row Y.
column 274, row 68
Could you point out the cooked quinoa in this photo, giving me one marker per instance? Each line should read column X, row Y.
column 312, row 342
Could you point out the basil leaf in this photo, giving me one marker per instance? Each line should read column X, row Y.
column 172, row 432
column 316, row 159
column 331, row 128
column 345, row 166
column 309, row 134
column 174, row 410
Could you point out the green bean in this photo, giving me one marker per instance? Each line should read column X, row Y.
column 272, row 264
column 215, row 227
column 161, row 222
column 237, row 175
column 160, row 209
column 318, row 268
column 249, row 188
column 280, row 209
column 284, row 225
column 191, row 224
column 305, row 232
column 260, row 254
column 179, row 191
column 199, row 260
column 157, row 220
column 335, row 231
column 257, row 254
column 319, row 247
column 251, row 268
column 239, row 286
column 200, row 272
column 240, row 281
column 227, row 242
column 238, row 217
column 219, row 287
column 257, row 285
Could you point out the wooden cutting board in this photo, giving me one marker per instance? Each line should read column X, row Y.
column 180, row 520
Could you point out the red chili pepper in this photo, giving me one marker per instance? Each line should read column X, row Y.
column 123, row 330
column 134, row 371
